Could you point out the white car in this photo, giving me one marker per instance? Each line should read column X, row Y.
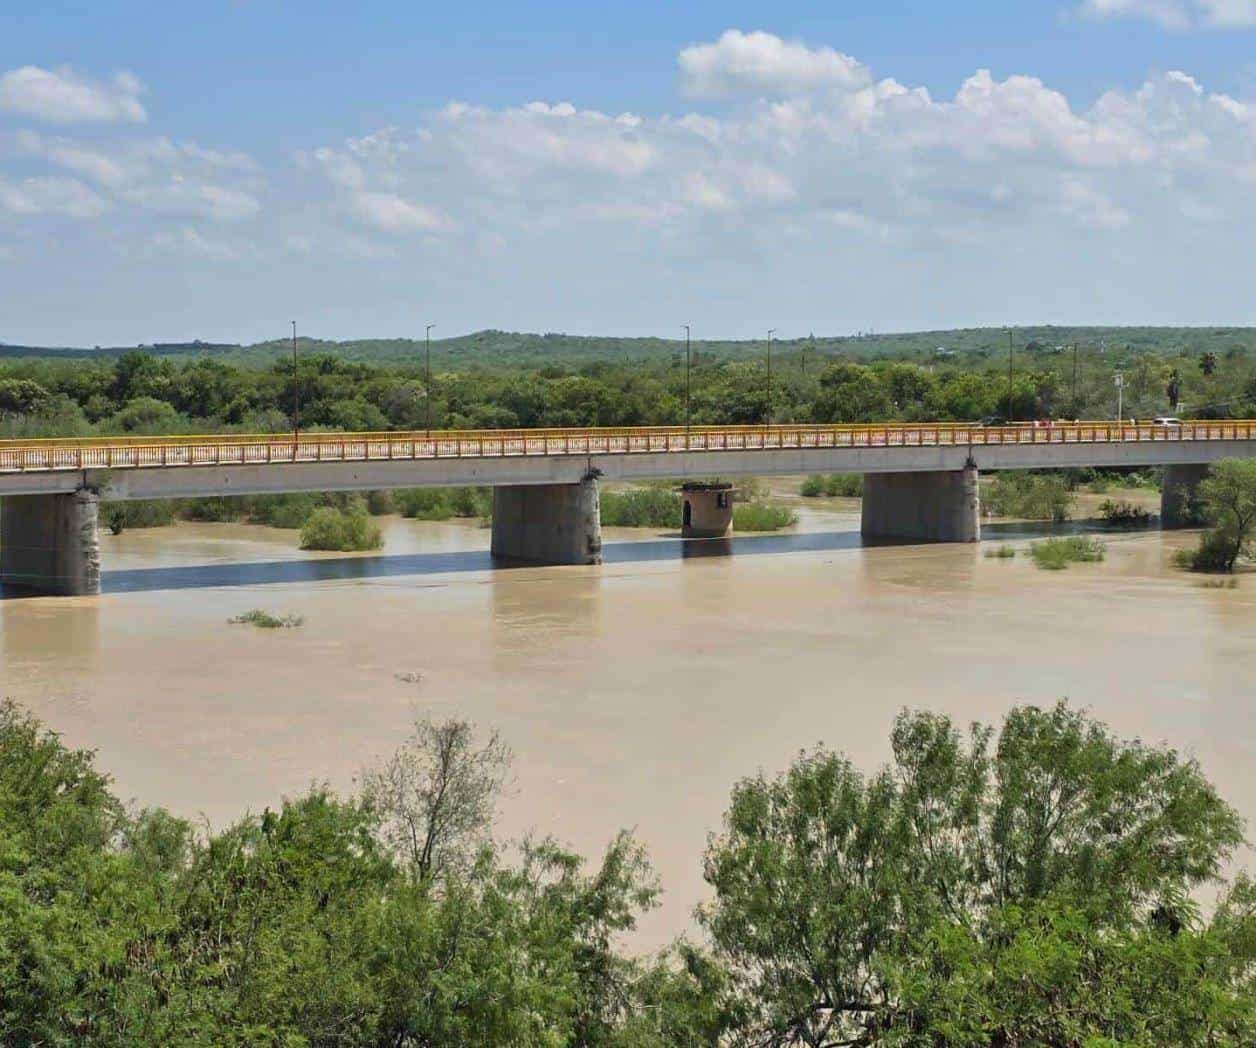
column 1166, row 420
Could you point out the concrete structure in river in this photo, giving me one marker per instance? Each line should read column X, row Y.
column 921, row 479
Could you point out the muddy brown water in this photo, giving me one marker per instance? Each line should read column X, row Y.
column 634, row 694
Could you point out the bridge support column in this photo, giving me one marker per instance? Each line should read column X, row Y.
column 922, row 507
column 1179, row 506
column 548, row 523
column 50, row 543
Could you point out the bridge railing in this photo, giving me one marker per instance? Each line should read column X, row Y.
column 261, row 449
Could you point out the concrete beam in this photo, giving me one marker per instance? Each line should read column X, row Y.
column 1178, row 496
column 922, row 507
column 155, row 482
column 50, row 543
column 548, row 524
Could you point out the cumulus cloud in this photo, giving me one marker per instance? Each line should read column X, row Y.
column 1177, row 14
column 63, row 96
column 739, row 63
column 391, row 213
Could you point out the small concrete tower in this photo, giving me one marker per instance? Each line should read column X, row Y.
column 706, row 510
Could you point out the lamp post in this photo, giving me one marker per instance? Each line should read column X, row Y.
column 1119, row 380
column 1010, row 415
column 771, row 332
column 427, row 338
column 687, row 367
column 296, row 395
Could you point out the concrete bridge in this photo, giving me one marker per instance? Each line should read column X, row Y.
column 920, row 479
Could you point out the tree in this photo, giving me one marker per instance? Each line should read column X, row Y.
column 1173, row 387
column 21, row 396
column 1036, row 894
column 1228, row 497
column 1208, row 363
column 437, row 795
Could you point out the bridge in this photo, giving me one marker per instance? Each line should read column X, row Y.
column 920, row 479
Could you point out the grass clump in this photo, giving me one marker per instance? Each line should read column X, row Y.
column 264, row 620
column 345, row 530
column 1029, row 496
column 1058, row 554
column 831, row 485
column 763, row 516
column 142, row 513
column 641, row 508
column 1004, row 552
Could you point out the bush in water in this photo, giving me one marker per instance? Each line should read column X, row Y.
column 341, row 529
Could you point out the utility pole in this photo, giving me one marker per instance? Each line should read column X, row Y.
column 1010, row 415
column 296, row 394
column 771, row 332
column 1119, row 379
column 427, row 338
column 686, row 327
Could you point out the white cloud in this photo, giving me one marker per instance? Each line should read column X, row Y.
column 157, row 175
column 62, row 96
column 391, row 213
column 1177, row 14
column 50, row 195
column 760, row 62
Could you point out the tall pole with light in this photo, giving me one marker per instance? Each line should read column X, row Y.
column 771, row 333
column 296, row 394
column 427, row 338
column 687, row 368
column 1010, row 415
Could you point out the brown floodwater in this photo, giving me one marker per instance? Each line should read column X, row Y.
column 633, row 694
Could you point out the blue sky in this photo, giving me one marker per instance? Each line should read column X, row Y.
column 169, row 174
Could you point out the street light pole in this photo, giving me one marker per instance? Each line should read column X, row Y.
column 686, row 327
column 1010, row 416
column 296, row 393
column 427, row 338
column 1075, row 411
column 771, row 332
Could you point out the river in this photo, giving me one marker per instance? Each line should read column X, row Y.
column 633, row 694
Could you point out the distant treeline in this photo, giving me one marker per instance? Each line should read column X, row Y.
column 1200, row 374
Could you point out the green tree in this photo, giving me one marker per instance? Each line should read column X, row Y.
column 1228, row 497
column 1039, row 893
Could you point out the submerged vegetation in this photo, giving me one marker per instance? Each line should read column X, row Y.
column 1058, row 553
column 1123, row 514
column 1027, row 884
column 1003, row 552
column 266, row 621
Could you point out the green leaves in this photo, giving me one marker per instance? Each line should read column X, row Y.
column 1035, row 894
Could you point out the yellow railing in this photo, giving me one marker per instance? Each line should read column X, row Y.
column 276, row 448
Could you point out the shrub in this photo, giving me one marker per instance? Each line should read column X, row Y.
column 266, row 621
column 845, row 485
column 1213, row 555
column 1058, row 554
column 380, row 503
column 214, row 508
column 443, row 503
column 1031, row 496
column 143, row 513
column 1123, row 514
column 641, row 508
column 1001, row 553
column 337, row 529
column 763, row 516
column 281, row 511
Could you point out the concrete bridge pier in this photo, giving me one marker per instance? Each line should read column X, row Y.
column 548, row 523
column 50, row 543
column 923, row 507
column 1178, row 495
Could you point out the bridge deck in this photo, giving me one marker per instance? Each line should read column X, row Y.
column 26, row 456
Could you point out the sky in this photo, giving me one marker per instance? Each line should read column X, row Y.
column 168, row 174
